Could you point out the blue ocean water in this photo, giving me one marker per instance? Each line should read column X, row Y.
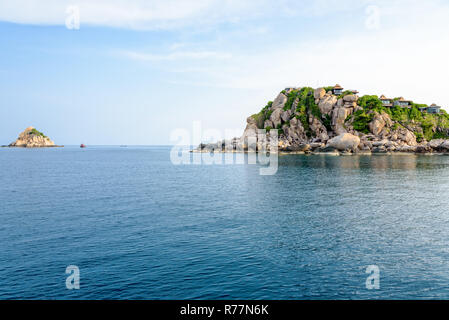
column 139, row 227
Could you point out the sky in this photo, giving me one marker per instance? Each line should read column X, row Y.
column 133, row 71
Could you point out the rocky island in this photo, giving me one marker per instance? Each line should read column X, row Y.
column 337, row 121
column 32, row 138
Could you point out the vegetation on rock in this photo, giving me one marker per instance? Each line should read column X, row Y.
column 36, row 132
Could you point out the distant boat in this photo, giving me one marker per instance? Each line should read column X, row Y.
column 82, row 145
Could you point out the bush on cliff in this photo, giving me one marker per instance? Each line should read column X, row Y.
column 415, row 114
column 327, row 122
column 306, row 106
column 427, row 126
column 419, row 137
column 260, row 119
column 370, row 102
column 399, row 114
column 362, row 120
column 291, row 97
column 440, row 135
column 37, row 132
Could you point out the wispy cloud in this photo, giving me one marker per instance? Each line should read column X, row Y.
column 180, row 55
column 133, row 14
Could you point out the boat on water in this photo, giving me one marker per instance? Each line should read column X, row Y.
column 82, row 145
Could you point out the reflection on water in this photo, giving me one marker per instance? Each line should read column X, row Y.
column 401, row 162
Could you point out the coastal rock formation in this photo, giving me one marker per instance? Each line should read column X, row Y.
column 32, row 138
column 332, row 120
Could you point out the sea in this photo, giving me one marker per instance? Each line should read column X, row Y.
column 111, row 222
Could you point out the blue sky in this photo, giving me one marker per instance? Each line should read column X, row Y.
column 137, row 70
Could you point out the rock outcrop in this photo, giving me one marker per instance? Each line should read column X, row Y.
column 316, row 120
column 32, row 138
column 327, row 103
column 344, row 142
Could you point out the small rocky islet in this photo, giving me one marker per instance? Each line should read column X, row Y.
column 332, row 120
column 32, row 138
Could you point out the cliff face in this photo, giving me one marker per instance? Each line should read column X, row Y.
column 31, row 138
column 316, row 120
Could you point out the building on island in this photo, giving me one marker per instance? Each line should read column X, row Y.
column 423, row 109
column 386, row 102
column 433, row 109
column 337, row 90
column 401, row 102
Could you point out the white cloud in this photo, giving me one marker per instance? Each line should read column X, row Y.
column 134, row 14
column 162, row 14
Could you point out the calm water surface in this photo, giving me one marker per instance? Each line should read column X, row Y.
column 139, row 227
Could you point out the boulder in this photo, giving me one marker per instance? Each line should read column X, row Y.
column 380, row 143
column 279, row 102
column 408, row 137
column 299, row 148
column 285, row 116
column 405, row 148
column 318, row 129
column 350, row 98
column 423, row 149
column 445, row 146
column 295, row 133
column 268, row 123
column 251, row 121
column 319, row 93
column 387, row 119
column 350, row 104
column 276, row 117
column 316, row 145
column 391, row 144
column 436, row 143
column 345, row 141
column 283, row 145
column 339, row 116
column 250, row 131
column 327, row 104
column 378, row 123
